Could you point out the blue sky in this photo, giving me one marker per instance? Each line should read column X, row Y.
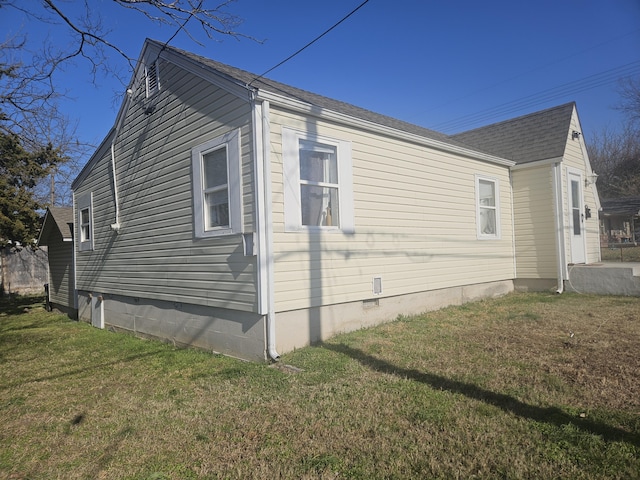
column 432, row 63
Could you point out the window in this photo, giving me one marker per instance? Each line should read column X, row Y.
column 84, row 206
column 318, row 182
column 488, row 208
column 152, row 79
column 85, row 225
column 216, row 186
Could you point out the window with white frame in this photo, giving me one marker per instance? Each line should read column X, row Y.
column 84, row 206
column 488, row 208
column 318, row 182
column 216, row 186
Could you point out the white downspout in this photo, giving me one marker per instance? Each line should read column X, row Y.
column 264, row 224
column 116, row 225
column 513, row 228
column 559, row 224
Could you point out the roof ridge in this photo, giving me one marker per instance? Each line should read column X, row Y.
column 520, row 118
column 310, row 97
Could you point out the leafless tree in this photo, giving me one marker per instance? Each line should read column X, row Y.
column 29, row 86
column 630, row 93
column 615, row 156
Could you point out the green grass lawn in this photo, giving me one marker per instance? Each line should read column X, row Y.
column 526, row 386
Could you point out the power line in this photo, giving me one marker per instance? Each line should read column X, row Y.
column 540, row 67
column 576, row 86
column 310, row 43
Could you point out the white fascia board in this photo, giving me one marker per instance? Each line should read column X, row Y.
column 308, row 109
column 537, row 163
column 209, row 74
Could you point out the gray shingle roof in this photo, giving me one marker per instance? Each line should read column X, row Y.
column 242, row 77
column 537, row 136
column 63, row 217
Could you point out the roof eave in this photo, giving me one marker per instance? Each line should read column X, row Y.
column 309, row 109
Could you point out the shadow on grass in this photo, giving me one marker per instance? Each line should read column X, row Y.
column 79, row 371
column 550, row 415
column 19, row 304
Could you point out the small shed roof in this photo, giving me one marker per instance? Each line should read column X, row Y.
column 538, row 136
column 57, row 221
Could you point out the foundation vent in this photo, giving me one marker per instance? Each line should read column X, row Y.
column 377, row 285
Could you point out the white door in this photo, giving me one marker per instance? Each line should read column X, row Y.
column 576, row 217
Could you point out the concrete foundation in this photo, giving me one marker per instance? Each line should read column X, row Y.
column 234, row 333
column 604, row 279
column 299, row 328
column 535, row 284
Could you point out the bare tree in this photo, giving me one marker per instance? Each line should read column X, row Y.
column 30, row 89
column 615, row 156
column 27, row 88
column 630, row 93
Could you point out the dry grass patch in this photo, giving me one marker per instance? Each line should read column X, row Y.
column 527, row 386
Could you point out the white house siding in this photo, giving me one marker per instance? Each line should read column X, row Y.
column 415, row 224
column 155, row 255
column 576, row 157
column 533, row 205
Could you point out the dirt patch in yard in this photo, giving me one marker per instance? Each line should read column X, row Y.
column 594, row 349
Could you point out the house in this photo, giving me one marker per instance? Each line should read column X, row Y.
column 620, row 220
column 237, row 214
column 555, row 200
column 56, row 234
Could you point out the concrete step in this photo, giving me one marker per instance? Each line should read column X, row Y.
column 604, row 279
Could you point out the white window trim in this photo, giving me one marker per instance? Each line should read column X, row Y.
column 496, row 182
column 234, row 180
column 85, row 202
column 291, row 180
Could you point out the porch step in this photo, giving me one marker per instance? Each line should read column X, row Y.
column 604, row 279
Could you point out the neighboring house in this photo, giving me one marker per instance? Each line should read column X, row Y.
column 555, row 200
column 620, row 220
column 245, row 216
column 57, row 235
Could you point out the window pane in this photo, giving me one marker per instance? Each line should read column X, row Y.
column 487, row 193
column 319, row 206
column 318, row 162
column 487, row 221
column 577, row 228
column 217, row 207
column 85, row 231
column 215, row 168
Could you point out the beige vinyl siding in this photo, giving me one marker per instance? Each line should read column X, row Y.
column 576, row 157
column 155, row 254
column 415, row 223
column 533, row 205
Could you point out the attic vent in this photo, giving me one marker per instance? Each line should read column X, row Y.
column 152, row 79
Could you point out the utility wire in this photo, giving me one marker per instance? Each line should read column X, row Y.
column 580, row 85
column 540, row 67
column 310, row 43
